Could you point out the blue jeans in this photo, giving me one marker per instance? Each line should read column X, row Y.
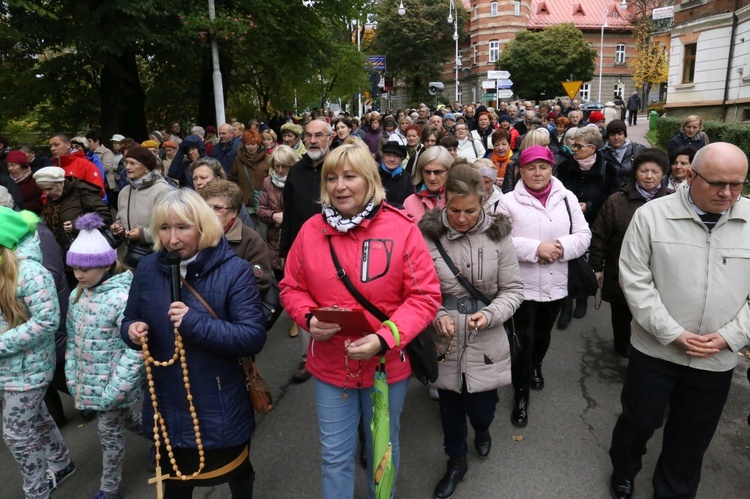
column 338, row 419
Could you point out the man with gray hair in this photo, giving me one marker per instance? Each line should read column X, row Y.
column 688, row 326
column 301, row 202
column 226, row 150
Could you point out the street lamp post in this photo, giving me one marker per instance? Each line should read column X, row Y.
column 454, row 20
column 623, row 6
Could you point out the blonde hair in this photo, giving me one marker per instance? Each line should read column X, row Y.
column 536, row 137
column 283, row 156
column 434, row 153
column 15, row 314
column 464, row 180
column 188, row 206
column 360, row 160
column 690, row 119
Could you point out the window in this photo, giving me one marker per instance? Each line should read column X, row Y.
column 584, row 94
column 460, row 58
column 688, row 62
column 493, row 9
column 460, row 94
column 476, row 12
column 476, row 53
column 517, row 8
column 614, row 14
column 494, row 50
column 620, row 54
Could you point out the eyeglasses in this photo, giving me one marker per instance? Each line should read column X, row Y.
column 218, row 208
column 581, row 146
column 720, row 186
column 437, row 173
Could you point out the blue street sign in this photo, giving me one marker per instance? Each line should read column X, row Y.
column 376, row 62
column 504, row 83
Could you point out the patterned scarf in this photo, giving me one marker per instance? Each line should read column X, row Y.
column 21, row 176
column 277, row 180
column 145, row 181
column 341, row 224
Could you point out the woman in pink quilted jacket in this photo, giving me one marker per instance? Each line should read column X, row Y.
column 545, row 238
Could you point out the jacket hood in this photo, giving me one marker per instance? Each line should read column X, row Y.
column 118, row 282
column 30, row 249
column 64, row 161
column 496, row 228
column 195, row 141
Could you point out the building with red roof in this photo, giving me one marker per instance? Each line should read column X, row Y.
column 492, row 24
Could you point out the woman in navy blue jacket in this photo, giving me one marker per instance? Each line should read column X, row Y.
column 210, row 346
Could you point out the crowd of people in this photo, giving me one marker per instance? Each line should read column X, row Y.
column 458, row 223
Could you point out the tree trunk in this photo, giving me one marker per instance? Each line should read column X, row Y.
column 122, row 98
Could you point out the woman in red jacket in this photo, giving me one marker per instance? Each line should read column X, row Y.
column 386, row 258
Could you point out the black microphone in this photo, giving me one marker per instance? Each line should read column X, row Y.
column 174, row 259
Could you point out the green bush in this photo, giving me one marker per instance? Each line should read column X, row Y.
column 658, row 107
column 734, row 133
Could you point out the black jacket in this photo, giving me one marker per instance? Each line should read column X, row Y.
column 624, row 167
column 397, row 188
column 301, row 200
column 592, row 187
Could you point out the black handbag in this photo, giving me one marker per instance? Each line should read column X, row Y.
column 135, row 254
column 271, row 301
column 421, row 349
column 510, row 327
column 582, row 281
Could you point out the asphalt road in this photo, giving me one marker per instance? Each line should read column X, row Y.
column 562, row 453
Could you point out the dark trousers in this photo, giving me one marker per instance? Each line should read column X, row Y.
column 696, row 399
column 241, row 488
column 621, row 319
column 632, row 117
column 455, row 407
column 534, row 321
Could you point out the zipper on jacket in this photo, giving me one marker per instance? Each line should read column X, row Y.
column 218, row 382
column 480, row 264
column 79, row 347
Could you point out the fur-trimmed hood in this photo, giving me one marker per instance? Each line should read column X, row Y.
column 434, row 224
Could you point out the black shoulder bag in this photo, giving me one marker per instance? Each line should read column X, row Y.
column 421, row 350
column 581, row 279
column 510, row 326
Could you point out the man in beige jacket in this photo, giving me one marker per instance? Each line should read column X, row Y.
column 685, row 272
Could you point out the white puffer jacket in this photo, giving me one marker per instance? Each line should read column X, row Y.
column 534, row 224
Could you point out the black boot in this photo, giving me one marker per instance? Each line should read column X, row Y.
column 566, row 313
column 483, row 443
column 582, row 305
column 446, row 487
column 537, row 380
column 520, row 415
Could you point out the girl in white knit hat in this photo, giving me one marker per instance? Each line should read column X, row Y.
column 102, row 373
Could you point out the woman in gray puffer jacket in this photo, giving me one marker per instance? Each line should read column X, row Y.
column 472, row 345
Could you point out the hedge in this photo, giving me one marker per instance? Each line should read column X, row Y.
column 734, row 133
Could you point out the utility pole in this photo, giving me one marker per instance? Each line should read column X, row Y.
column 218, row 85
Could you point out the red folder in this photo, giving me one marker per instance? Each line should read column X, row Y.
column 352, row 322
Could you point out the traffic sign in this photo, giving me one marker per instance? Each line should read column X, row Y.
column 504, row 83
column 498, row 75
column 375, row 62
column 505, row 94
column 487, row 84
column 572, row 87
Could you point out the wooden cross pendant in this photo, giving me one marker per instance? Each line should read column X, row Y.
column 157, row 480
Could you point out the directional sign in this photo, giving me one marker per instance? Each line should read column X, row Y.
column 505, row 94
column 486, row 97
column 572, row 87
column 504, row 83
column 498, row 75
column 488, row 84
column 375, row 62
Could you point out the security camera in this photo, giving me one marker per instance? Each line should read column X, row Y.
column 435, row 87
